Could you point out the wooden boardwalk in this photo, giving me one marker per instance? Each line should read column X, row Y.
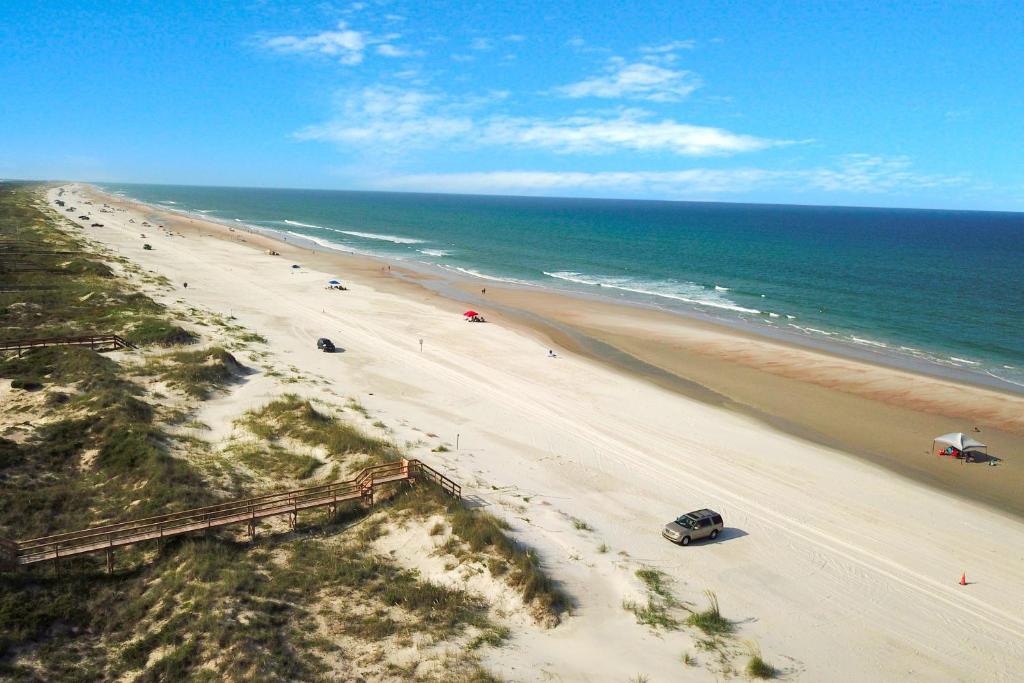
column 97, row 342
column 246, row 511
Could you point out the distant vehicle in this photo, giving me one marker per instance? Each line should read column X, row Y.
column 694, row 526
column 97, row 225
column 84, row 218
column 325, row 345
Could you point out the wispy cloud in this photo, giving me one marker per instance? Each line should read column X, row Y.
column 345, row 44
column 854, row 174
column 423, row 119
column 671, row 183
column 628, row 130
column 481, row 44
column 638, row 80
column 668, row 47
column 868, row 173
column 384, row 116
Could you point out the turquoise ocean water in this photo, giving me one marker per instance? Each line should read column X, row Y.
column 939, row 291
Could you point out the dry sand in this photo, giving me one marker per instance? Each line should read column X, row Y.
column 839, row 569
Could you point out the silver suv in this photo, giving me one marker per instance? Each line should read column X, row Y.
column 694, row 526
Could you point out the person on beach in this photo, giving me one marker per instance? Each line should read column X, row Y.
column 186, row 285
column 483, row 291
column 551, row 353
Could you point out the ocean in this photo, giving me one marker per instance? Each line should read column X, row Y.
column 938, row 291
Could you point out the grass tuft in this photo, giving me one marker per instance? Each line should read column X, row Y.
column 711, row 621
column 757, row 667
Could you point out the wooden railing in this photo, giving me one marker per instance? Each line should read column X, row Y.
column 93, row 341
column 430, row 474
column 246, row 511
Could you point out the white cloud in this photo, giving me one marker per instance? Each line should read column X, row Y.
column 515, row 38
column 629, row 130
column 671, row 183
column 866, row 173
column 481, row 44
column 346, row 44
column 424, row 119
column 388, row 50
column 669, row 47
column 855, row 174
column 635, row 81
column 384, row 116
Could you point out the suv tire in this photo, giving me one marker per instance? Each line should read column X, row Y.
column 714, row 534
column 685, row 540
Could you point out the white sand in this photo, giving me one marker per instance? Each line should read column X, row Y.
column 840, row 571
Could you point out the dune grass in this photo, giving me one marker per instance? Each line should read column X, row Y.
column 659, row 611
column 198, row 374
column 297, row 418
column 203, row 609
column 475, row 531
column 710, row 620
column 756, row 666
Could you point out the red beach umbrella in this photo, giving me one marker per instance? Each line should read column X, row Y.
column 470, row 314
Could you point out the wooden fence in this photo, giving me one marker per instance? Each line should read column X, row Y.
column 246, row 511
column 98, row 342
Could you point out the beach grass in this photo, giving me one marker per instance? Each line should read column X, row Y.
column 291, row 416
column 475, row 531
column 710, row 620
column 94, row 447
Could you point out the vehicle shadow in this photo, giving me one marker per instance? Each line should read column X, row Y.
column 337, row 349
column 727, row 534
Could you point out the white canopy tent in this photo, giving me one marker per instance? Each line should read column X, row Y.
column 959, row 441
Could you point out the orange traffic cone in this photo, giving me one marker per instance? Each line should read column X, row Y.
column 963, row 579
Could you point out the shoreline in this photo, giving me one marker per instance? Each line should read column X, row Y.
column 841, row 342
column 587, row 459
column 871, row 411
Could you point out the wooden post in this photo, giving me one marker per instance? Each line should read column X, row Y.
column 110, row 561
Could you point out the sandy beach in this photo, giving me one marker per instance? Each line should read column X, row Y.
column 845, row 535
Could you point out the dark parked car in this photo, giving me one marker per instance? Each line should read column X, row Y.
column 325, row 345
column 97, row 225
column 694, row 526
column 84, row 218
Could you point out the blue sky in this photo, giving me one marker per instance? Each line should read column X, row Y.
column 882, row 104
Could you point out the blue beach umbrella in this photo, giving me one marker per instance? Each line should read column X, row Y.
column 333, row 282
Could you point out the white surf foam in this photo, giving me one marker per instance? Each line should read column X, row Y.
column 484, row 276
column 435, row 252
column 868, row 342
column 686, row 292
column 303, row 225
column 322, row 242
column 383, row 238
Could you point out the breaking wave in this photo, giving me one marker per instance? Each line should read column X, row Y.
column 687, row 292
